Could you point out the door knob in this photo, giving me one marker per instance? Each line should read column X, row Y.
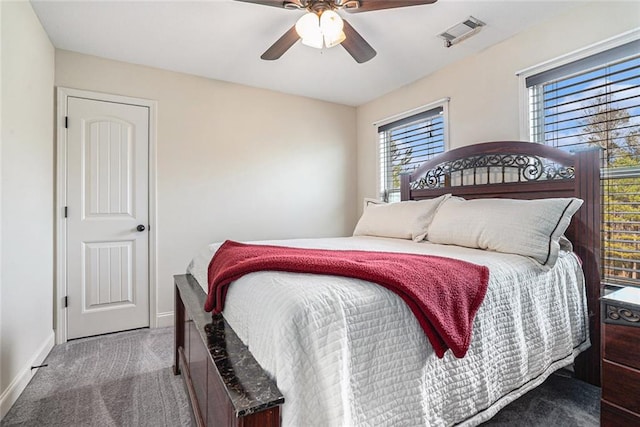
column 140, row 228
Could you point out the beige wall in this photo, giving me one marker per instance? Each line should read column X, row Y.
column 26, row 284
column 233, row 162
column 483, row 88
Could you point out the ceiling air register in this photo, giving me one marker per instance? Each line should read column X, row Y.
column 461, row 31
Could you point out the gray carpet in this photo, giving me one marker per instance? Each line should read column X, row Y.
column 125, row 379
column 561, row 401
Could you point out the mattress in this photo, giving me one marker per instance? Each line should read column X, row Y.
column 346, row 352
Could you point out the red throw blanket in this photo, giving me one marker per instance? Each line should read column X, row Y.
column 443, row 293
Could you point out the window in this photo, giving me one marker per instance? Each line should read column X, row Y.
column 406, row 142
column 595, row 101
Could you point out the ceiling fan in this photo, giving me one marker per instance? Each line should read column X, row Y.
column 322, row 26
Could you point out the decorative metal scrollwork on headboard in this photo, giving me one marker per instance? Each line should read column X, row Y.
column 516, row 167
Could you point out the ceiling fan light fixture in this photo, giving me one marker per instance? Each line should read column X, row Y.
column 319, row 31
column 336, row 30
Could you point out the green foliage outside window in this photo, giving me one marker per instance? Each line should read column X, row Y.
column 613, row 129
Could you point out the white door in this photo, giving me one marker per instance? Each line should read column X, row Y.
column 107, row 217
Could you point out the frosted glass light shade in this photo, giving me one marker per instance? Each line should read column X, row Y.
column 313, row 40
column 308, row 26
column 331, row 24
column 331, row 42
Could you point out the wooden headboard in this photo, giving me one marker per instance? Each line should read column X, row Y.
column 524, row 170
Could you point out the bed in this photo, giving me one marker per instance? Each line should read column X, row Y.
column 303, row 349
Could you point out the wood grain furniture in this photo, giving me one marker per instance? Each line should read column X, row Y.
column 509, row 169
column 620, row 405
column 226, row 386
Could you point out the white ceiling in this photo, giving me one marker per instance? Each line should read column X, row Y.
column 223, row 40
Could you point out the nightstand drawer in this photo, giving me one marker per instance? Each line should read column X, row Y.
column 621, row 385
column 622, row 345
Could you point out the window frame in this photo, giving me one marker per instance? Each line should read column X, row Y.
column 523, row 91
column 440, row 103
column 527, row 126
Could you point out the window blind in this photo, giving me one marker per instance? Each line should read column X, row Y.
column 596, row 102
column 405, row 144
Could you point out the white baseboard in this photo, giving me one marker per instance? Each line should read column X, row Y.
column 164, row 320
column 19, row 383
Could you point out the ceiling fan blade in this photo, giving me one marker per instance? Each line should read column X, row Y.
column 369, row 5
column 282, row 45
column 356, row 45
column 276, row 3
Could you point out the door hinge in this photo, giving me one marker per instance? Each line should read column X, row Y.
column 66, row 212
column 66, row 122
column 66, row 302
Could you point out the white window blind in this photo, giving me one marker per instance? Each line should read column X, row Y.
column 405, row 144
column 596, row 102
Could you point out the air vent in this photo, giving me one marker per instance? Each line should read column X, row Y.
column 461, row 31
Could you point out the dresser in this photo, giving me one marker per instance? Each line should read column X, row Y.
column 620, row 404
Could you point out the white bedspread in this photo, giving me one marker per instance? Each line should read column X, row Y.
column 346, row 352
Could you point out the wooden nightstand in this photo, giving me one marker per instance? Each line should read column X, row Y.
column 620, row 404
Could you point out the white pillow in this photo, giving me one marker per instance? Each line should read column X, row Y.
column 565, row 244
column 525, row 227
column 402, row 220
column 369, row 201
